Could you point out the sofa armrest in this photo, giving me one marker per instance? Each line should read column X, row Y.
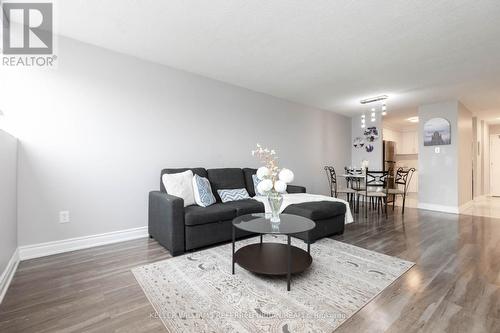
column 166, row 221
column 295, row 189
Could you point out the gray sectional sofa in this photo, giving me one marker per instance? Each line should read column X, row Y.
column 180, row 229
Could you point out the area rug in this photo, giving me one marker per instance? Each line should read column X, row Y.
column 196, row 292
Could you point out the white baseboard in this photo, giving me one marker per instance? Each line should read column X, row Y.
column 8, row 274
column 439, row 208
column 72, row 244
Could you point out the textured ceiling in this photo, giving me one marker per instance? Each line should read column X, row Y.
column 328, row 54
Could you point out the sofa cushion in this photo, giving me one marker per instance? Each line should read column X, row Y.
column 196, row 215
column 226, row 178
column 248, row 206
column 248, row 173
column 317, row 210
column 197, row 171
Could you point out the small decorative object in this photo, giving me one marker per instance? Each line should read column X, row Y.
column 264, row 186
column 364, row 165
column 273, row 180
column 437, row 132
column 371, row 134
column 358, row 142
column 369, row 148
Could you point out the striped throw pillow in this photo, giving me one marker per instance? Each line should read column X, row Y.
column 233, row 195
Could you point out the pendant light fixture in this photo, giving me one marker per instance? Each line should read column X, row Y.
column 378, row 105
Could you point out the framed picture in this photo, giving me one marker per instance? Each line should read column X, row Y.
column 437, row 132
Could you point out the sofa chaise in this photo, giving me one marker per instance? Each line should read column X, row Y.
column 180, row 229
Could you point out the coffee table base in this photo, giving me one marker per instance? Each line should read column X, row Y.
column 273, row 259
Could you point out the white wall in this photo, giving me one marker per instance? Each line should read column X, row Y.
column 438, row 173
column 494, row 129
column 8, row 199
column 374, row 158
column 445, row 178
column 96, row 132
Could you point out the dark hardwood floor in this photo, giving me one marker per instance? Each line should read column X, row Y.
column 454, row 287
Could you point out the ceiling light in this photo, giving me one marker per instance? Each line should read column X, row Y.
column 373, row 114
column 384, row 107
column 374, row 99
column 373, row 120
column 413, row 119
column 384, row 113
column 373, row 109
column 362, row 125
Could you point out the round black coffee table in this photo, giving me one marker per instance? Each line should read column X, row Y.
column 272, row 258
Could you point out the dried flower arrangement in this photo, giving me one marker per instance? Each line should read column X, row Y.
column 272, row 178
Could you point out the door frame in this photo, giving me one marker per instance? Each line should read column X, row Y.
column 491, row 173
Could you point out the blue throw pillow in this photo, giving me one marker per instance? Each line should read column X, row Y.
column 233, row 195
column 256, row 182
column 203, row 195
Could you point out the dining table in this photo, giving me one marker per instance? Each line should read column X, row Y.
column 356, row 175
column 356, row 182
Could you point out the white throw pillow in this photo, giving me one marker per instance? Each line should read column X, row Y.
column 180, row 185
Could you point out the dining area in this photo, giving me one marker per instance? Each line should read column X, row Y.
column 369, row 189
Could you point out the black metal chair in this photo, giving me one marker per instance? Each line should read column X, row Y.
column 375, row 187
column 355, row 182
column 403, row 177
column 334, row 188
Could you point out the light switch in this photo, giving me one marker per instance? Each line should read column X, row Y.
column 437, row 150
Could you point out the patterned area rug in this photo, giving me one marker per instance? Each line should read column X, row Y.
column 196, row 292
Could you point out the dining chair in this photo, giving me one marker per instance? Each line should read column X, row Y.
column 355, row 182
column 335, row 189
column 375, row 187
column 403, row 179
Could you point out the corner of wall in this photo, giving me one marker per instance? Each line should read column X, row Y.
column 8, row 274
column 18, row 156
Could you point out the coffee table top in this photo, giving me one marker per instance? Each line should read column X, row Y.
column 258, row 223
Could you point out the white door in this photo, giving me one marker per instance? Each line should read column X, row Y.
column 495, row 165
